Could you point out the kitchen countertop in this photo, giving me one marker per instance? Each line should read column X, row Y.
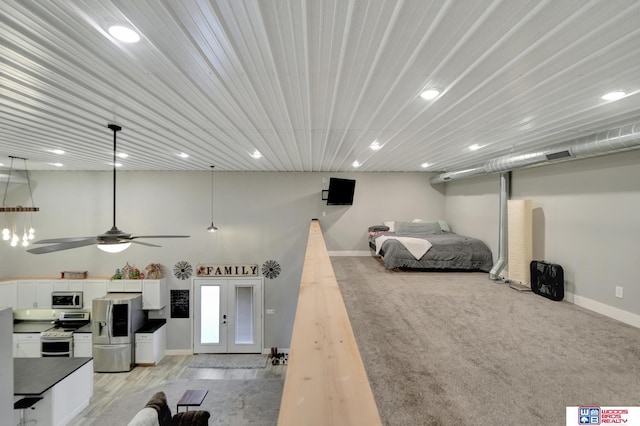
column 152, row 325
column 34, row 376
column 84, row 329
column 32, row 326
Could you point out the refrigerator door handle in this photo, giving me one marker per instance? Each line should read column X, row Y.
column 109, row 324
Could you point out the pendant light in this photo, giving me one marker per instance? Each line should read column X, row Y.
column 212, row 227
column 12, row 220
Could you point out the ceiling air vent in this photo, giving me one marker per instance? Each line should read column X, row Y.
column 558, row 155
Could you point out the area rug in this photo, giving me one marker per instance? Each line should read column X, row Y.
column 228, row 361
column 230, row 402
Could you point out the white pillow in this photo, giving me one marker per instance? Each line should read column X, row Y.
column 443, row 224
column 391, row 224
column 146, row 417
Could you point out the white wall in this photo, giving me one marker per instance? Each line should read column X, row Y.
column 261, row 216
column 6, row 361
column 585, row 218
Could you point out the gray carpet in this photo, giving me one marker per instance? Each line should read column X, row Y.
column 230, row 402
column 459, row 349
column 228, row 361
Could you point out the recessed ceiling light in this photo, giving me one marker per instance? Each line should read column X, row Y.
column 116, row 164
column 430, row 94
column 475, row 147
column 56, row 151
column 124, row 34
column 56, row 164
column 122, row 155
column 424, row 165
column 183, row 155
column 375, row 145
column 356, row 163
column 256, row 154
column 613, row 96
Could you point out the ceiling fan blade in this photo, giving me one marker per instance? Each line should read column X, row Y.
column 161, row 236
column 145, row 244
column 64, row 240
column 62, row 246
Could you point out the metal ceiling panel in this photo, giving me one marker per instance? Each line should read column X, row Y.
column 310, row 84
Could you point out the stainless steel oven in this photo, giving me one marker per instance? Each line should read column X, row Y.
column 56, row 344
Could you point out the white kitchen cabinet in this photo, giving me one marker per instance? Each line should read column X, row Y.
column 26, row 345
column 9, row 294
column 34, row 294
column 82, row 346
column 91, row 290
column 154, row 294
column 151, row 347
column 68, row 285
column 124, row 286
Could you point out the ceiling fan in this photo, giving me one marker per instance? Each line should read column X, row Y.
column 112, row 241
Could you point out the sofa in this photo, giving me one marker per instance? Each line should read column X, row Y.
column 156, row 412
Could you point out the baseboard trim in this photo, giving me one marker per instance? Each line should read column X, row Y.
column 349, row 253
column 267, row 351
column 606, row 310
column 178, row 352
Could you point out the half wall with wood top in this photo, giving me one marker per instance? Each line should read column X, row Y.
column 326, row 383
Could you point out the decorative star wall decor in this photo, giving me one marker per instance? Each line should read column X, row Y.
column 182, row 270
column 271, row 269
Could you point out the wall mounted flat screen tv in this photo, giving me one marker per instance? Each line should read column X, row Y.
column 340, row 192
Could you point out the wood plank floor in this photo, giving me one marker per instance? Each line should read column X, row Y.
column 109, row 386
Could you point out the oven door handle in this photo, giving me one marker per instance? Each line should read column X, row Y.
column 68, row 353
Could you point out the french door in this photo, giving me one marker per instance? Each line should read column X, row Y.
column 227, row 315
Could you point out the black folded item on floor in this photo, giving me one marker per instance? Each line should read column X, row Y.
column 547, row 280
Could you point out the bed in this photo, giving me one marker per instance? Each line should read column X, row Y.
column 427, row 246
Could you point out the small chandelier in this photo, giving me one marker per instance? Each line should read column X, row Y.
column 16, row 216
column 212, row 227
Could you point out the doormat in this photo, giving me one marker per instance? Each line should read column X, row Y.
column 228, row 361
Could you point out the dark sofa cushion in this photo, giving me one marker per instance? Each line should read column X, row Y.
column 193, row 418
column 159, row 402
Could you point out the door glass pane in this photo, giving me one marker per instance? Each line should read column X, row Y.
column 210, row 314
column 244, row 315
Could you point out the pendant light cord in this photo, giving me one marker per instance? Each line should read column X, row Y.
column 212, row 194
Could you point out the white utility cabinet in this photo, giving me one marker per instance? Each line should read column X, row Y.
column 26, row 345
column 82, row 346
column 154, row 294
column 151, row 347
column 34, row 294
column 91, row 290
column 9, row 294
column 68, row 285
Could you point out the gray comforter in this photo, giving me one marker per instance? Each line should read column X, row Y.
column 449, row 251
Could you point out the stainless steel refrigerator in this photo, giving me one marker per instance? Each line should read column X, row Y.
column 115, row 318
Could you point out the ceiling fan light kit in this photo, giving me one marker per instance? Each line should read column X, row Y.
column 14, row 215
column 113, row 247
column 112, row 241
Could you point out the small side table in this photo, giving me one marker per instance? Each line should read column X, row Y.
column 191, row 398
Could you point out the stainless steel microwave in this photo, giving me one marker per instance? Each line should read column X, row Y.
column 66, row 300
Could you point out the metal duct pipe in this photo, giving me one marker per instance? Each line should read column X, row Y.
column 606, row 142
column 505, row 194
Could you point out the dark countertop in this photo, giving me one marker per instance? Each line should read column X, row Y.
column 152, row 325
column 32, row 326
column 34, row 376
column 84, row 329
